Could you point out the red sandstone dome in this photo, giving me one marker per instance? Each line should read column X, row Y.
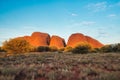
column 94, row 43
column 57, row 42
column 38, row 39
column 77, row 38
column 43, row 39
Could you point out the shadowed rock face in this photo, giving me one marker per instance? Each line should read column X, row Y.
column 77, row 38
column 38, row 39
column 57, row 42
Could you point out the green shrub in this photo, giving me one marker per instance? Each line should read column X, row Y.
column 111, row 48
column 17, row 46
column 43, row 49
column 82, row 48
column 116, row 48
column 95, row 50
column 106, row 48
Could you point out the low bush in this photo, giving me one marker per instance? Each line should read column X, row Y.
column 82, row 48
column 42, row 49
column 111, row 48
column 68, row 49
column 17, row 46
column 2, row 50
column 53, row 48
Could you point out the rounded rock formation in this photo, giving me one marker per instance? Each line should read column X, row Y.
column 57, row 42
column 94, row 43
column 77, row 38
column 38, row 39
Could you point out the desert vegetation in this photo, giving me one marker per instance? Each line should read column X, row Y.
column 60, row 66
column 16, row 46
column 82, row 62
column 82, row 48
column 19, row 46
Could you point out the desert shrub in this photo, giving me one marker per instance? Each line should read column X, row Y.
column 111, row 48
column 107, row 48
column 62, row 49
column 116, row 48
column 82, row 48
column 2, row 50
column 17, row 46
column 95, row 50
column 68, row 49
column 43, row 49
column 53, row 48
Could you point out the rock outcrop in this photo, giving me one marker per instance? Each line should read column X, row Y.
column 38, row 39
column 77, row 38
column 57, row 42
column 43, row 39
column 94, row 43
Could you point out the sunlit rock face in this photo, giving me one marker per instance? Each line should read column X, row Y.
column 38, row 39
column 57, row 42
column 77, row 38
column 43, row 39
column 94, row 43
column 27, row 38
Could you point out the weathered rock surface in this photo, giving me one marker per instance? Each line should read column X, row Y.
column 38, row 39
column 43, row 39
column 77, row 38
column 94, row 43
column 57, row 42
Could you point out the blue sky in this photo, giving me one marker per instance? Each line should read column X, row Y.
column 99, row 19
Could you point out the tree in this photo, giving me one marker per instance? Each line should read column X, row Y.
column 17, row 46
column 82, row 48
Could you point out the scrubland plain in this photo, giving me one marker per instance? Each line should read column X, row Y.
column 60, row 66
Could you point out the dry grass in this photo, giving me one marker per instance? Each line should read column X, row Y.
column 60, row 66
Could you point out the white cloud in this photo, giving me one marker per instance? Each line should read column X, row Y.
column 96, row 7
column 84, row 23
column 112, row 15
column 73, row 14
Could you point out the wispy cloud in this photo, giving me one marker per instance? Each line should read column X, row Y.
column 112, row 15
column 73, row 14
column 84, row 23
column 102, row 33
column 96, row 7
